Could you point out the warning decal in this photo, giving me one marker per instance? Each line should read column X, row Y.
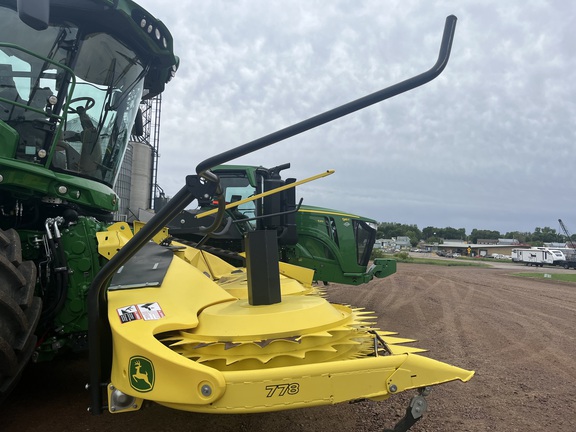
column 128, row 313
column 145, row 311
column 150, row 311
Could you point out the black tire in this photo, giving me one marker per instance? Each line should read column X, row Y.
column 19, row 311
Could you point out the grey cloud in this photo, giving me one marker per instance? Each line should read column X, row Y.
column 489, row 143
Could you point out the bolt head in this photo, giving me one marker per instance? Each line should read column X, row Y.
column 425, row 391
column 206, row 390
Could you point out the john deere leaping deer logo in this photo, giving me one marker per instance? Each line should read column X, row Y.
column 141, row 372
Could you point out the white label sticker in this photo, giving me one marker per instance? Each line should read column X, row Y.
column 145, row 311
column 150, row 311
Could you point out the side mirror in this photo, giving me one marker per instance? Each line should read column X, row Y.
column 35, row 13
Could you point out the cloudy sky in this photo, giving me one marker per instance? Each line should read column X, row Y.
column 489, row 144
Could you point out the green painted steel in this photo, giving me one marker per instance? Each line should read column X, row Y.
column 66, row 325
column 33, row 180
column 337, row 245
column 72, row 76
column 71, row 98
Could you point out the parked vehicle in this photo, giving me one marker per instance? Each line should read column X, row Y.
column 538, row 256
column 337, row 245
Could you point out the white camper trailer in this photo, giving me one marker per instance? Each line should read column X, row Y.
column 538, row 256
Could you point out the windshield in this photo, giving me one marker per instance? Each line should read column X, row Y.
column 71, row 97
column 237, row 187
column 365, row 236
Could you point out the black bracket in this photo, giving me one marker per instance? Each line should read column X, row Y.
column 414, row 411
column 272, row 214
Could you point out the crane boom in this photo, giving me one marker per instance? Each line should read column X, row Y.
column 569, row 240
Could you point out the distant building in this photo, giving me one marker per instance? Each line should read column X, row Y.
column 506, row 242
column 449, row 243
column 384, row 244
column 487, row 241
column 394, row 243
column 403, row 242
column 488, row 248
column 556, row 245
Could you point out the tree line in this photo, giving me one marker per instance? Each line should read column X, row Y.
column 438, row 235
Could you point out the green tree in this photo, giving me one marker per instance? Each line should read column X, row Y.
column 434, row 239
column 454, row 233
column 447, row 233
column 395, row 229
column 414, row 237
column 429, row 232
column 483, row 234
column 545, row 235
column 522, row 237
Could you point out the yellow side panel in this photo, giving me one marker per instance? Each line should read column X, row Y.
column 204, row 261
column 158, row 238
column 111, row 241
column 136, row 315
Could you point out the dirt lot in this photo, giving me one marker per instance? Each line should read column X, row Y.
column 518, row 334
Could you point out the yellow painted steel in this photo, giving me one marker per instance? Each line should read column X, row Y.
column 301, row 274
column 204, row 261
column 196, row 344
column 270, row 192
column 158, row 238
column 111, row 241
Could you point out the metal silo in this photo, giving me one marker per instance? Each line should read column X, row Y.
column 141, row 179
column 138, row 174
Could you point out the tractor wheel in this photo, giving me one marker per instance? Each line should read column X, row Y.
column 19, row 310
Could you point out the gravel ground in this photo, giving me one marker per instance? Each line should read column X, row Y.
column 516, row 333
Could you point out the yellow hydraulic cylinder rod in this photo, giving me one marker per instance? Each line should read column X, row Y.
column 270, row 192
